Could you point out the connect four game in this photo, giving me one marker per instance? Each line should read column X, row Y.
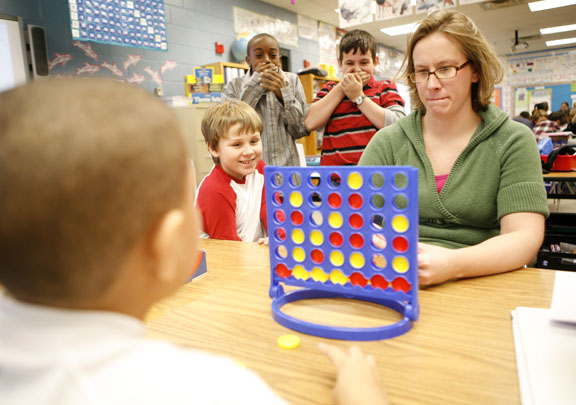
column 344, row 231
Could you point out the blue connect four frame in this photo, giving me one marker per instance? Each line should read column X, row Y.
column 344, row 231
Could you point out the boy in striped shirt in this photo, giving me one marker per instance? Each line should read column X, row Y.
column 354, row 109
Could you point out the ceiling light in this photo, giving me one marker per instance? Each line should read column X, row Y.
column 564, row 41
column 547, row 4
column 400, row 29
column 560, row 28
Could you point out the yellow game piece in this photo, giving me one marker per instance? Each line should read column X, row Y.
column 319, row 275
column 357, row 260
column 400, row 223
column 288, row 342
column 316, row 238
column 298, row 236
column 336, row 258
column 337, row 277
column 355, row 181
column 400, row 264
column 335, row 220
column 298, row 254
column 300, row 273
column 296, row 199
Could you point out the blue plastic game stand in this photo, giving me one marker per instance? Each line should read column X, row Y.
column 349, row 232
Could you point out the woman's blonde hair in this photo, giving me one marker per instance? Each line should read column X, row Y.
column 477, row 50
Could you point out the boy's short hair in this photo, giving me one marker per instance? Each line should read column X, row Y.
column 537, row 114
column 221, row 117
column 257, row 37
column 357, row 40
column 557, row 116
column 87, row 167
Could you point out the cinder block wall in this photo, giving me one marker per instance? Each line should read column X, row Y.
column 193, row 26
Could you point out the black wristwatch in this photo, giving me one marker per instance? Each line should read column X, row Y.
column 359, row 100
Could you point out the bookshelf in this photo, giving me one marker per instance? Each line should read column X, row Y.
column 229, row 70
column 312, row 84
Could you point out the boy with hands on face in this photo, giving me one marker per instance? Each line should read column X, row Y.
column 354, row 109
column 277, row 96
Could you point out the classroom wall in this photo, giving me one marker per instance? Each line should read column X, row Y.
column 549, row 72
column 193, row 26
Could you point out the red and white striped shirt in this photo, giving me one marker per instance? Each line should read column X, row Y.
column 348, row 130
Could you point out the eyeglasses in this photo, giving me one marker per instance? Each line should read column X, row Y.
column 445, row 72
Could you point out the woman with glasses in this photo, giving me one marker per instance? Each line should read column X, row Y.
column 482, row 200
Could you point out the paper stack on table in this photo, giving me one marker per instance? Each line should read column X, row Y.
column 545, row 342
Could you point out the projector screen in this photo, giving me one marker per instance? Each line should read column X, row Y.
column 13, row 60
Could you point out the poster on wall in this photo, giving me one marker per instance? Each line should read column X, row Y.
column 393, row 9
column 246, row 21
column 521, row 101
column 429, row 6
column 542, row 67
column 539, row 95
column 355, row 12
column 327, row 44
column 138, row 24
column 389, row 62
column 307, row 28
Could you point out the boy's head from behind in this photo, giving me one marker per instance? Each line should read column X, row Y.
column 90, row 171
column 357, row 52
column 232, row 132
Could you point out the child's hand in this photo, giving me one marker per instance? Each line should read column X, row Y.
column 352, row 85
column 265, row 67
column 263, row 241
column 272, row 78
column 357, row 381
column 365, row 77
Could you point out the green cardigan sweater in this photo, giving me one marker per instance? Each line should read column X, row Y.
column 498, row 173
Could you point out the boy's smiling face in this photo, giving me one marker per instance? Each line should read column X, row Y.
column 263, row 52
column 238, row 152
column 355, row 61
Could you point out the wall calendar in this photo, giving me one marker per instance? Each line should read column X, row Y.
column 137, row 23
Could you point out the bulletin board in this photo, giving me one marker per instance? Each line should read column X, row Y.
column 138, row 24
column 285, row 32
column 542, row 67
column 554, row 94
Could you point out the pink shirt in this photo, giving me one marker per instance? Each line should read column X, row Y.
column 440, row 181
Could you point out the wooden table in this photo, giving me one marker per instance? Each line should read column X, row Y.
column 461, row 351
column 559, row 178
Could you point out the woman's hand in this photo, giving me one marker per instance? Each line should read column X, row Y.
column 435, row 264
